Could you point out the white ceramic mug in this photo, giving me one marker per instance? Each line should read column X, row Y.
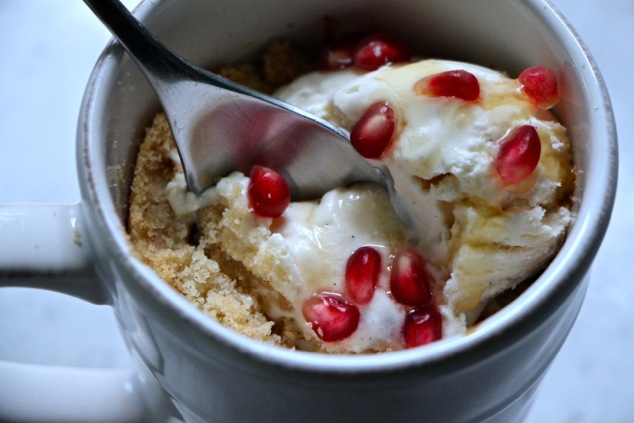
column 190, row 368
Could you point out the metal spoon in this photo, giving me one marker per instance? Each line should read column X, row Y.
column 220, row 126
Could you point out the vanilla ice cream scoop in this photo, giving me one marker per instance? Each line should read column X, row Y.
column 480, row 234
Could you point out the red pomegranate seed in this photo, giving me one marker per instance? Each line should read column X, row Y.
column 336, row 56
column 379, row 49
column 455, row 83
column 422, row 326
column 371, row 135
column 330, row 316
column 268, row 192
column 362, row 274
column 408, row 281
column 540, row 84
column 519, row 154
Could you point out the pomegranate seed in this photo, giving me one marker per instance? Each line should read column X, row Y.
column 540, row 84
column 371, row 135
column 330, row 316
column 519, row 154
column 422, row 326
column 362, row 274
column 380, row 49
column 336, row 56
column 455, row 83
column 268, row 192
column 408, row 282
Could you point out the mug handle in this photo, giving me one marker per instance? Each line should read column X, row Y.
column 41, row 246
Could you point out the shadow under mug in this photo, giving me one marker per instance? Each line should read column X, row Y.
column 190, row 368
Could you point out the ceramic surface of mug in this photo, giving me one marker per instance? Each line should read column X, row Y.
column 190, row 368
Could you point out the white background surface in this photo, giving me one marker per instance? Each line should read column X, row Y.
column 47, row 50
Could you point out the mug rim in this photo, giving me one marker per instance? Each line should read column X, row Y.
column 560, row 278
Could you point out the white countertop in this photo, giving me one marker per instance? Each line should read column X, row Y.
column 48, row 50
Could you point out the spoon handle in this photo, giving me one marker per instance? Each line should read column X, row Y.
column 160, row 65
column 155, row 60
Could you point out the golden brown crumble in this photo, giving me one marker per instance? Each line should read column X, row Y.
column 188, row 255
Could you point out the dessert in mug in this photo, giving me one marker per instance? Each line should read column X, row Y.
column 486, row 169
